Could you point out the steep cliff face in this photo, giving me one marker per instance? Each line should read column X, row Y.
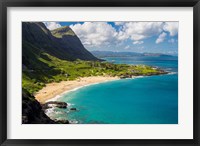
column 38, row 43
column 32, row 112
column 61, row 43
column 69, row 40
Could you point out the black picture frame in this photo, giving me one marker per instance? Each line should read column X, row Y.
column 4, row 4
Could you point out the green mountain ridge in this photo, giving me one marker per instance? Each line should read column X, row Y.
column 61, row 43
column 60, row 32
column 46, row 56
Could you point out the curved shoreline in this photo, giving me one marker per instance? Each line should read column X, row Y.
column 53, row 91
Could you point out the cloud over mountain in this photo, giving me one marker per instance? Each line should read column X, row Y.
column 52, row 25
column 171, row 27
column 161, row 38
column 97, row 34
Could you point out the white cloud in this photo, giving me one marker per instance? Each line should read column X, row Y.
column 140, row 30
column 119, row 23
column 127, row 47
column 171, row 41
column 138, row 42
column 171, row 27
column 161, row 38
column 98, row 34
column 121, row 35
column 95, row 33
column 52, row 25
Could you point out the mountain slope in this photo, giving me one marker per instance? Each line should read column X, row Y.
column 59, row 43
column 69, row 40
column 46, row 54
column 46, row 57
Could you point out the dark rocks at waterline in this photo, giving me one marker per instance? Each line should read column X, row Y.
column 57, row 104
column 156, row 73
column 73, row 109
column 73, row 122
column 160, row 72
column 32, row 112
column 62, row 121
column 125, row 76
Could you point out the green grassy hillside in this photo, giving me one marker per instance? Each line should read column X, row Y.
column 52, row 69
column 58, row 55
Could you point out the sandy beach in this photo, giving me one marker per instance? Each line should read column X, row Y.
column 51, row 90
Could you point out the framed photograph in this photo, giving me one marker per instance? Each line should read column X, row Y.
column 99, row 72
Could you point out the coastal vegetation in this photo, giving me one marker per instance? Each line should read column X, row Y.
column 63, row 70
column 58, row 55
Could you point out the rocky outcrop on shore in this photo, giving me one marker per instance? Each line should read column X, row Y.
column 57, row 104
column 159, row 72
column 62, row 121
column 32, row 112
column 73, row 109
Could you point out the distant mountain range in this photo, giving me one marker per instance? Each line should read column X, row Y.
column 101, row 54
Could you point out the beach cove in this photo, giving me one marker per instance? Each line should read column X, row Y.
column 51, row 90
column 142, row 100
column 65, row 82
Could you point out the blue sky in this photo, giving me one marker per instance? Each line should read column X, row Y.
column 152, row 37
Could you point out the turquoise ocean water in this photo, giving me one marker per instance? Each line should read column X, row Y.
column 144, row 100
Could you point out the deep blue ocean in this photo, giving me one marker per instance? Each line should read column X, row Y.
column 144, row 100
